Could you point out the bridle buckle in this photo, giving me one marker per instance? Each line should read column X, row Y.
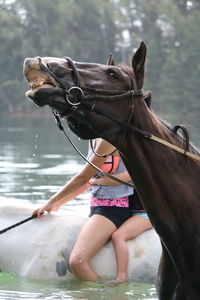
column 72, row 95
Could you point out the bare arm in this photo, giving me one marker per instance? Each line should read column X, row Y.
column 108, row 181
column 78, row 182
column 79, row 191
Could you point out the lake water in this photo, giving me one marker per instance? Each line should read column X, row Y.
column 35, row 161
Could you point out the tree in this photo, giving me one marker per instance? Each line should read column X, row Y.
column 11, row 57
column 89, row 30
column 170, row 30
column 178, row 85
column 84, row 30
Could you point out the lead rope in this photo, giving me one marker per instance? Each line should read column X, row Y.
column 58, row 122
column 17, row 224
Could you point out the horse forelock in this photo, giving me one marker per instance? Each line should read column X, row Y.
column 126, row 69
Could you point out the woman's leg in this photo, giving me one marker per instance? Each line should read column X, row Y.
column 93, row 236
column 128, row 230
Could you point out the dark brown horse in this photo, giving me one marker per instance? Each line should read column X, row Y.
column 108, row 101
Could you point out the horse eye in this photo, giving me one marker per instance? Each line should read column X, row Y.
column 113, row 74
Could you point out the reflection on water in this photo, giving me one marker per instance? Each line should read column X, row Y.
column 35, row 161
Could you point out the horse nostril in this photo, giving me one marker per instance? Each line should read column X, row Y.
column 37, row 60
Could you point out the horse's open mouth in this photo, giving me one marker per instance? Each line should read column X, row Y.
column 36, row 77
column 38, row 80
column 43, row 88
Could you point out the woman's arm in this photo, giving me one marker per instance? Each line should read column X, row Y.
column 59, row 203
column 77, row 182
column 109, row 181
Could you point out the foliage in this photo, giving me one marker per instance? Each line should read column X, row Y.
column 89, row 30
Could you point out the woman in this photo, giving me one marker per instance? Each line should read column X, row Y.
column 107, row 213
column 132, row 227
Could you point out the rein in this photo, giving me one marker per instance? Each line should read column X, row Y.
column 18, row 224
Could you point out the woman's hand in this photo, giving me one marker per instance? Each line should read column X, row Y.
column 48, row 207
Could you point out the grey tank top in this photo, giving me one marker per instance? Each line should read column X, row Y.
column 108, row 191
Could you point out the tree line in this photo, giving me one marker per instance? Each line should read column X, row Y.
column 89, row 30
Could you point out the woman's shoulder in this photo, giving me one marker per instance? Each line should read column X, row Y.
column 104, row 146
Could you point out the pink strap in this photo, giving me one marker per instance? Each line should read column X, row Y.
column 111, row 164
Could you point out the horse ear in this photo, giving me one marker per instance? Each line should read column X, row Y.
column 138, row 63
column 110, row 60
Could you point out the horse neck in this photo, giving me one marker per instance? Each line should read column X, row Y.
column 144, row 159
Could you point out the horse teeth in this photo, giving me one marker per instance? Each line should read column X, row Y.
column 31, row 84
column 41, row 83
column 34, row 85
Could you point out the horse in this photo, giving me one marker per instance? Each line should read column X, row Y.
column 40, row 248
column 107, row 101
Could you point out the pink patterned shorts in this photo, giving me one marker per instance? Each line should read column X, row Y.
column 118, row 202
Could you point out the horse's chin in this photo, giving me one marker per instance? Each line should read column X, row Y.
column 81, row 129
column 53, row 97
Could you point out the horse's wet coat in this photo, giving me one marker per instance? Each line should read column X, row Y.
column 167, row 181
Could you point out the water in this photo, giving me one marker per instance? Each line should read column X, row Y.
column 35, row 161
column 13, row 287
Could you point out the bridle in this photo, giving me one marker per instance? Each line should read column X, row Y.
column 75, row 96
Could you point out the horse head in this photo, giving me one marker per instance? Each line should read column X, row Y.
column 73, row 90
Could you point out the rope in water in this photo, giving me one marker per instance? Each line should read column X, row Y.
column 17, row 224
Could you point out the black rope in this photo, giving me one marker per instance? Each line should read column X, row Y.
column 17, row 224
